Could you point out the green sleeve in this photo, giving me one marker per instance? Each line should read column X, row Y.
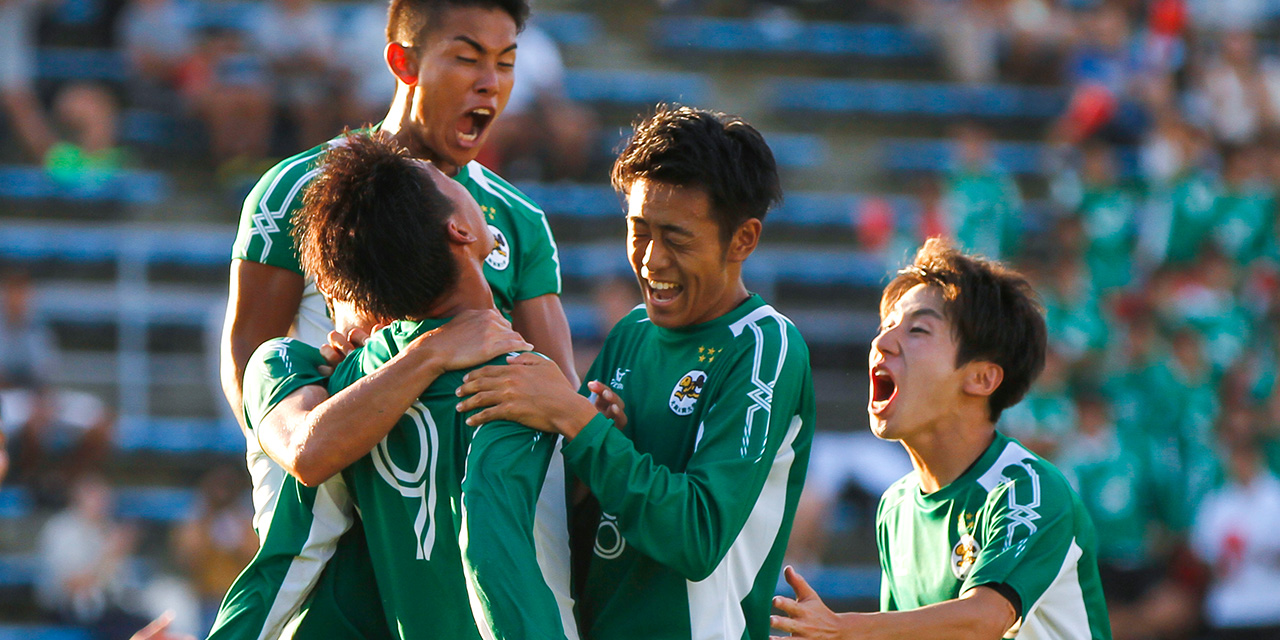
column 1029, row 531
column 276, row 369
column 540, row 259
column 882, row 547
column 266, row 219
column 506, row 465
column 687, row 521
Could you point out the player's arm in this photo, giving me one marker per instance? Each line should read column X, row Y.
column 313, row 436
column 981, row 613
column 542, row 322
column 261, row 304
column 686, row 521
column 506, row 465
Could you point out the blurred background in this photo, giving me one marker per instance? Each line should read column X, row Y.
column 1124, row 153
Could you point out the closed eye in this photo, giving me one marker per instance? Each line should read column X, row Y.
column 467, row 60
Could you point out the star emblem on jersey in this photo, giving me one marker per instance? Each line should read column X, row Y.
column 963, row 555
column 687, row 392
column 500, row 257
column 708, row 354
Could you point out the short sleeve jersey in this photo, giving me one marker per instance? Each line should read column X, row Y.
column 698, row 490
column 1011, row 519
column 298, row 526
column 448, row 512
column 524, row 262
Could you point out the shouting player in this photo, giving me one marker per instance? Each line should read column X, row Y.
column 697, row 490
column 984, row 539
column 453, row 63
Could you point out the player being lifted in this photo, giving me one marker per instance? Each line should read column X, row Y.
column 453, row 63
column 697, row 490
column 416, row 250
column 984, row 539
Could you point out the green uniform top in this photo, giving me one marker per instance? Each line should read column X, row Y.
column 524, row 263
column 1011, row 519
column 697, row 492
column 1109, row 215
column 298, row 526
column 983, row 211
column 1182, row 218
column 1113, row 478
column 1244, row 223
column 448, row 512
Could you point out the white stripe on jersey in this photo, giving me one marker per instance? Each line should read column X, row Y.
column 762, row 396
column 264, row 221
column 1060, row 613
column 715, row 603
column 551, row 539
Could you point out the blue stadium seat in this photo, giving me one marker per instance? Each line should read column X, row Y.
column 1029, row 158
column 730, row 35
column 41, row 632
column 629, row 87
column 15, row 502
column 156, row 504
column 130, row 186
column 568, row 27
column 902, row 98
column 838, row 583
column 57, row 63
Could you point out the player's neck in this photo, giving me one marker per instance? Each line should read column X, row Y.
column 942, row 455
column 399, row 123
column 472, row 292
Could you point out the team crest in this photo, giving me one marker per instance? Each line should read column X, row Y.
column 963, row 555
column 687, row 391
column 500, row 257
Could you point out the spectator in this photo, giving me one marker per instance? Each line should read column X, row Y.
column 160, row 44
column 17, row 69
column 226, row 87
column 1246, row 209
column 1235, row 534
column 1045, row 418
column 294, row 38
column 982, row 204
column 84, row 557
column 217, row 541
column 365, row 87
column 542, row 133
column 1109, row 212
column 1243, row 92
column 90, row 157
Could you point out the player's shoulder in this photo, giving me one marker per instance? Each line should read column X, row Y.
column 633, row 326
column 760, row 326
column 285, row 355
column 1017, row 468
column 282, row 184
column 898, row 493
column 492, row 190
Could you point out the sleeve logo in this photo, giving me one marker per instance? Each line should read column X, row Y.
column 500, row 257
column 687, row 392
column 963, row 555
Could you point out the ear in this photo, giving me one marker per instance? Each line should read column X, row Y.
column 745, row 239
column 402, row 62
column 982, row 378
column 460, row 234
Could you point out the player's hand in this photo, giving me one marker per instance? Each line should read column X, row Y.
column 158, row 629
column 472, row 338
column 609, row 403
column 531, row 391
column 341, row 345
column 807, row 616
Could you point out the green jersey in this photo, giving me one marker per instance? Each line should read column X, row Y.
column 1010, row 521
column 448, row 512
column 697, row 492
column 1244, row 223
column 298, row 526
column 1109, row 215
column 1182, row 218
column 524, row 263
column 1113, row 480
column 983, row 211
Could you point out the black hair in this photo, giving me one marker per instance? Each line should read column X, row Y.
column 722, row 154
column 373, row 230
column 408, row 20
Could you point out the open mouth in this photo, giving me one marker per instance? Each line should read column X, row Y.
column 883, row 388
column 662, row 292
column 473, row 123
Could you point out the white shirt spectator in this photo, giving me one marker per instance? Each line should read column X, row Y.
column 539, row 70
column 1235, row 533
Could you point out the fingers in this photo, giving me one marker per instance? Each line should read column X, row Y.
column 324, row 370
column 482, row 379
column 330, row 354
column 340, row 342
column 527, row 358
column 786, row 605
column 357, row 337
column 785, row 624
column 801, row 587
column 479, row 400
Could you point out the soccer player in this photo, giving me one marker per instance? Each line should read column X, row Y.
column 448, row 510
column 453, row 64
column 984, row 539
column 697, row 489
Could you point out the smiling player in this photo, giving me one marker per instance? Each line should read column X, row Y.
column 453, row 62
column 698, row 489
column 984, row 539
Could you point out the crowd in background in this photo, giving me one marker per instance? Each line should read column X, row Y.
column 1155, row 248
